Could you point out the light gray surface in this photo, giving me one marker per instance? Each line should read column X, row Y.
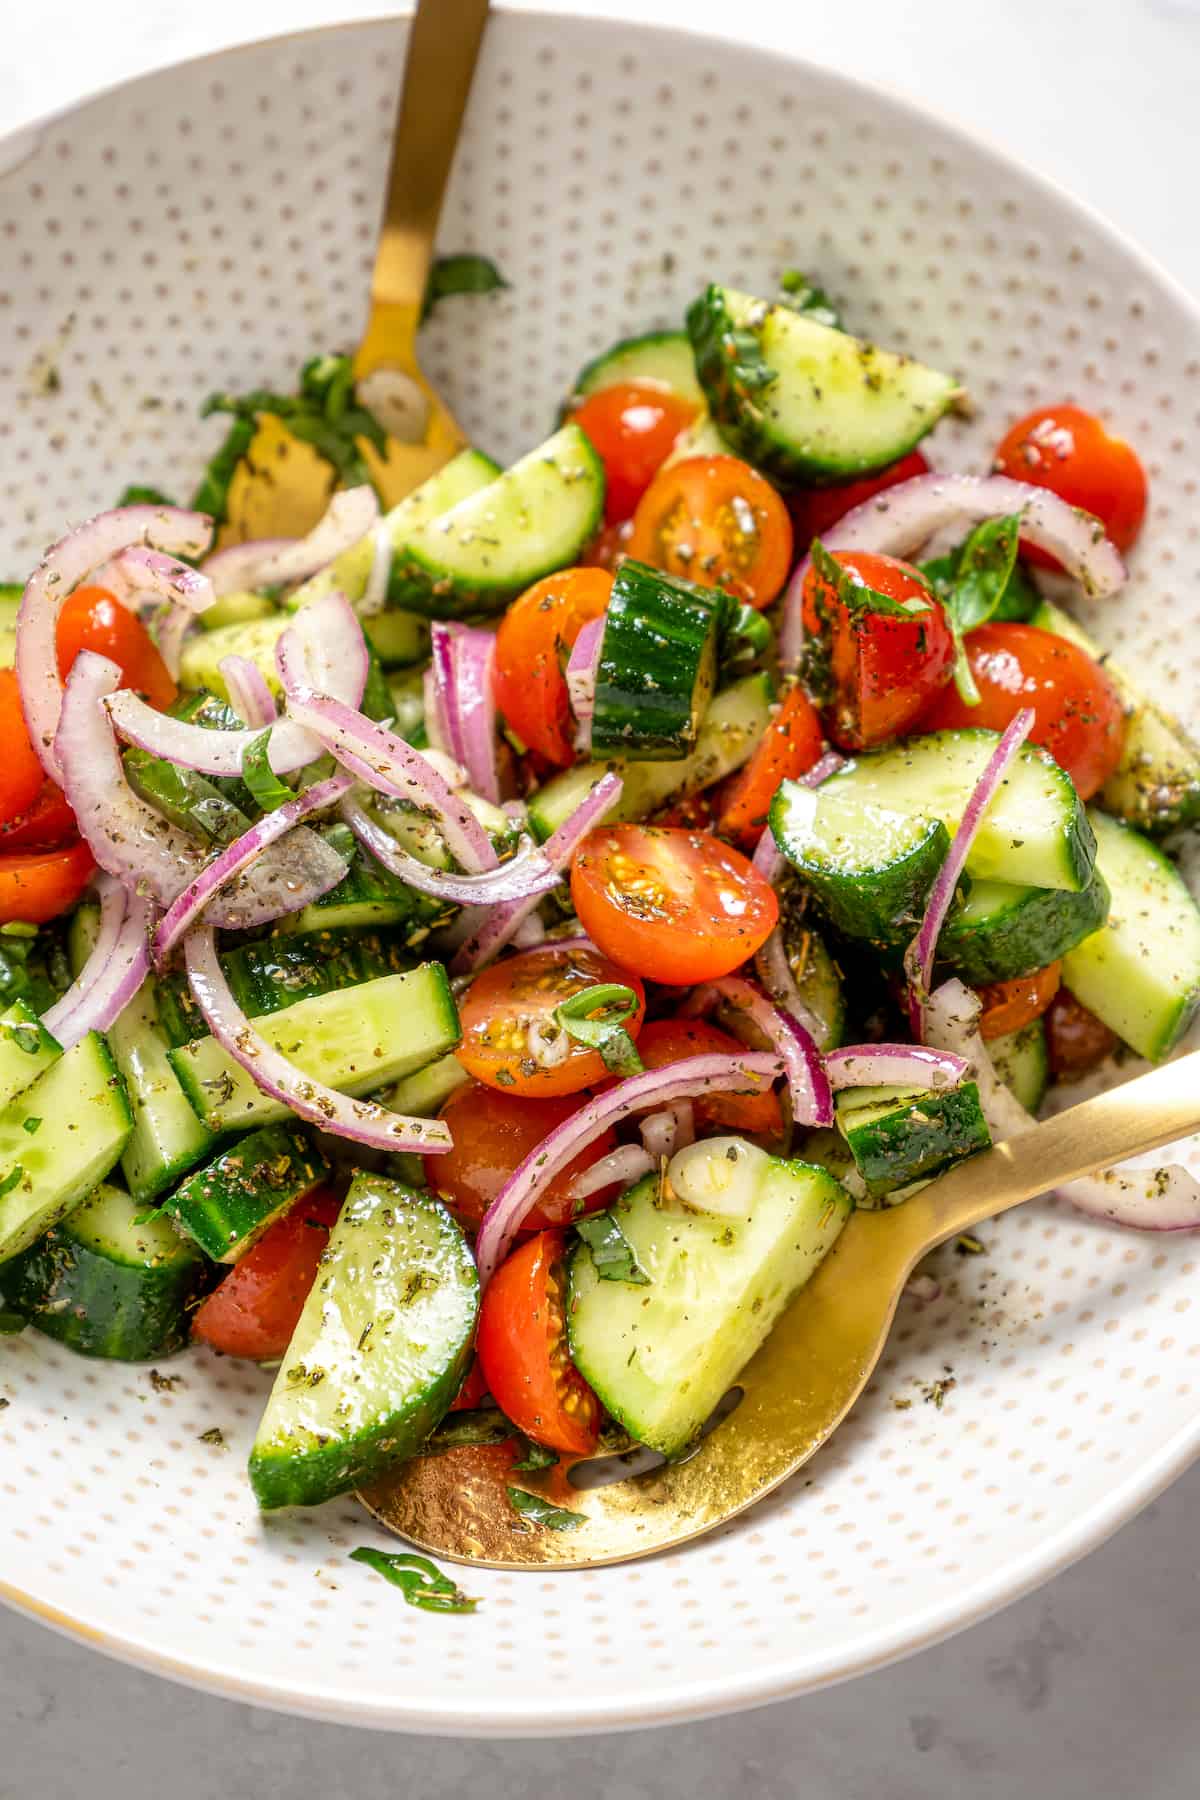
column 1085, row 1691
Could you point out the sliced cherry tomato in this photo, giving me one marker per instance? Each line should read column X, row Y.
column 716, row 521
column 255, row 1309
column 21, row 772
column 473, row 1389
column 666, row 1041
column 1007, row 1005
column 522, row 1348
column 38, row 885
column 1078, row 712
column 789, row 747
column 507, row 1020
column 493, row 1133
column 609, row 546
column 814, row 510
column 45, row 825
column 532, row 646
column 633, row 427
column 1069, row 451
column 677, row 906
column 1076, row 1040
column 884, row 668
column 94, row 619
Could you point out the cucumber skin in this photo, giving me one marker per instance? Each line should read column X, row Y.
column 662, row 356
column 657, row 667
column 226, row 1207
column 897, row 1149
column 1031, row 936
column 1022, row 1061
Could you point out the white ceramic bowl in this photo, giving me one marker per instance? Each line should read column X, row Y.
column 210, row 227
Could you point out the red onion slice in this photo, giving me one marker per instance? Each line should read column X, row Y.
column 69, row 562
column 474, row 654
column 622, row 1166
column 208, row 752
column 808, row 1087
column 374, row 597
column 362, row 1121
column 527, row 876
column 952, row 1024
column 900, row 520
column 114, row 904
column 446, row 728
column 698, row 1075
column 233, row 569
column 249, row 695
column 582, row 664
column 923, row 1289
column 670, row 1129
column 893, row 1065
column 113, row 979
column 918, row 958
column 348, row 517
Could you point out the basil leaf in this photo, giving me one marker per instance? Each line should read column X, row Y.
column 536, row 1456
column 258, row 775
column 802, row 295
column 144, row 496
column 744, row 641
column 419, row 1580
column 461, row 274
column 542, row 1512
column 855, row 595
column 971, row 583
column 612, row 1253
column 481, row 1425
column 596, row 1016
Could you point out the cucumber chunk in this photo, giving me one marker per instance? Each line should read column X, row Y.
column 368, row 898
column 1140, row 973
column 869, row 868
column 818, row 981
column 26, row 1050
column 399, row 639
column 423, row 1094
column 658, row 665
column 662, row 357
column 661, row 1356
column 379, row 1352
column 897, row 1137
column 227, row 1206
column 701, row 438
column 1000, row 931
column 803, row 401
column 203, row 652
column 355, row 1039
column 83, row 1124
column 239, row 608
column 1022, row 1061
column 107, row 1282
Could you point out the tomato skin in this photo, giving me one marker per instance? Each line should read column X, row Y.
column 1079, row 718
column 883, row 670
column 533, row 643
column 254, row 1311
column 1008, row 1005
column 666, row 1041
column 37, row 885
column 789, row 747
column 632, row 428
column 473, row 1389
column 609, row 548
column 94, row 619
column 1069, row 451
column 675, row 906
column 1076, row 1040
column 521, row 992
column 46, row 825
column 493, row 1133
column 522, row 1348
column 814, row 510
column 21, row 772
column 716, row 521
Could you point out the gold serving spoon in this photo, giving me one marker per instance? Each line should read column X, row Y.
column 281, row 487
column 802, row 1383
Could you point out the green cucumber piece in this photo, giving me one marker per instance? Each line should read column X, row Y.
column 239, row 608
column 662, row 357
column 732, row 726
column 83, row 1124
column 107, row 1281
column 423, row 1093
column 1000, row 930
column 1140, row 973
column 368, row 898
column 227, row 1206
column 662, row 1355
column 818, row 982
column 658, row 664
column 535, row 518
column 203, row 652
column 26, row 1050
column 379, row 1353
column 1022, row 1061
column 897, row 1137
column 407, row 690
column 354, row 1039
column 803, row 401
column 869, row 868
column 399, row 639
column 700, row 438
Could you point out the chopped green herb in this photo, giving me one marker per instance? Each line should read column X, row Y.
column 969, row 1245
column 419, row 1580
column 258, row 775
column 15, row 1174
column 803, row 295
column 612, row 1252
column 32, row 1126
column 26, row 1039
column 215, row 1436
column 535, row 1456
column 596, row 1016
column 461, row 274
column 542, row 1512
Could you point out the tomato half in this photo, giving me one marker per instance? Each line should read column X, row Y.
column 666, row 1041
column 21, row 772
column 510, row 1039
column 1008, row 1005
column 1079, row 718
column 38, row 885
column 883, row 668
column 254, row 1311
column 1069, row 451
column 609, row 546
column 676, row 906
column 45, row 825
column 814, row 510
column 533, row 644
column 93, row 619
column 473, row 1389
column 522, row 1348
column 789, row 747
column 493, row 1133
column 717, row 521
column 1076, row 1040
column 633, row 427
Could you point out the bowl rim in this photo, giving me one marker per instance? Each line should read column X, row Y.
column 788, row 1675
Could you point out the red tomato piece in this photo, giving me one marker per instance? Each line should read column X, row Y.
column 534, row 641
column 1077, row 1041
column 1069, row 451
column 675, row 906
column 666, row 1041
column 254, row 1311
column 510, row 1039
column 522, row 1347
column 789, row 747
column 493, row 1133
column 473, row 1389
column 47, row 824
column 633, row 428
column 716, row 521
column 1079, row 718
column 609, row 547
column 38, row 885
column 21, row 772
column 93, row 619
column 1008, row 1005
column 883, row 668
column 814, row 510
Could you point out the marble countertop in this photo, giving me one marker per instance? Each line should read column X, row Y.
column 1084, row 1690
